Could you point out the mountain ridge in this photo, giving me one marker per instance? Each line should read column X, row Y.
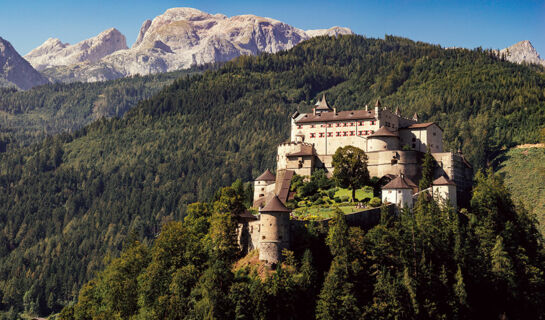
column 15, row 70
column 179, row 39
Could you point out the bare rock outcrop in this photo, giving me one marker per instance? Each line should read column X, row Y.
column 522, row 52
column 181, row 38
column 16, row 71
column 54, row 53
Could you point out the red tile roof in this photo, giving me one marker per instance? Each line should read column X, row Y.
column 274, row 205
column 284, row 187
column 383, row 132
column 266, row 176
column 442, row 181
column 339, row 116
column 399, row 183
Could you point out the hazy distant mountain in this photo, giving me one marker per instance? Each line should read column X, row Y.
column 16, row 71
column 55, row 53
column 522, row 52
column 179, row 39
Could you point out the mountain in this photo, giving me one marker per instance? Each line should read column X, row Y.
column 16, row 71
column 522, row 52
column 71, row 200
column 178, row 39
column 55, row 53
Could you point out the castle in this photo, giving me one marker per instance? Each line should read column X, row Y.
column 394, row 145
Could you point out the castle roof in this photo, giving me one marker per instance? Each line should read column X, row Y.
column 336, row 116
column 383, row 132
column 323, row 106
column 399, row 183
column 306, row 150
column 442, row 181
column 266, row 176
column 246, row 215
column 274, row 205
column 421, row 125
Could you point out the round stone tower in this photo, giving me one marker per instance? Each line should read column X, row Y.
column 383, row 139
column 275, row 231
column 263, row 185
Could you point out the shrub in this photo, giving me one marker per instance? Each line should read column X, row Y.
column 345, row 198
column 331, row 193
column 318, row 202
column 337, row 200
column 375, row 202
column 366, row 199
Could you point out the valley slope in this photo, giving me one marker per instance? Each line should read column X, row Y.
column 71, row 200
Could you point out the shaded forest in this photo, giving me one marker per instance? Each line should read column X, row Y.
column 72, row 199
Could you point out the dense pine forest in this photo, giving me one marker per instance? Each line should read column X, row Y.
column 29, row 116
column 70, row 201
column 427, row 263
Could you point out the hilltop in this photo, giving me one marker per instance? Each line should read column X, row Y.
column 68, row 201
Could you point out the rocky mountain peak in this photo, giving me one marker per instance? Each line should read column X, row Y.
column 16, row 70
column 55, row 53
column 522, row 52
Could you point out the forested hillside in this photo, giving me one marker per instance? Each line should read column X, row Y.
column 67, row 202
column 29, row 116
column 430, row 262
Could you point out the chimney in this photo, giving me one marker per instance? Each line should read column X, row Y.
column 367, row 108
column 314, row 111
column 335, row 111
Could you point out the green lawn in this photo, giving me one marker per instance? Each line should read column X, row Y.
column 360, row 194
column 318, row 212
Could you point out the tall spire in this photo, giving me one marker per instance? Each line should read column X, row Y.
column 398, row 113
column 415, row 117
column 378, row 104
column 323, row 106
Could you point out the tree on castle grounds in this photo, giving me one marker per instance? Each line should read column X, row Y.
column 427, row 171
column 350, row 171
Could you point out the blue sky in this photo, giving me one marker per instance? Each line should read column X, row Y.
column 490, row 24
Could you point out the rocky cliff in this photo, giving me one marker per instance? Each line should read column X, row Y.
column 16, row 71
column 178, row 39
column 522, row 52
column 55, row 53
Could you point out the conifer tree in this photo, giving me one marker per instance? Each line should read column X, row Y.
column 428, row 165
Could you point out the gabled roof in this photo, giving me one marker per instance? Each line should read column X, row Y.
column 383, row 132
column 266, row 176
column 336, row 116
column 442, row 181
column 306, row 150
column 399, row 183
column 246, row 215
column 274, row 205
column 323, row 105
column 283, row 185
column 421, row 125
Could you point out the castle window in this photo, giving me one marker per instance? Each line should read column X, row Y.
column 434, row 133
column 330, row 134
column 414, row 139
column 280, row 238
column 321, row 134
column 299, row 126
column 313, row 135
column 414, row 145
column 337, row 125
column 263, row 237
column 372, row 122
column 351, row 133
column 361, row 133
column 312, row 126
column 251, row 229
column 351, row 124
column 371, row 131
column 345, row 133
column 345, row 124
column 361, row 123
column 338, row 134
column 329, row 125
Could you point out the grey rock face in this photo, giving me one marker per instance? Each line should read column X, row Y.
column 181, row 38
column 522, row 52
column 54, row 53
column 14, row 70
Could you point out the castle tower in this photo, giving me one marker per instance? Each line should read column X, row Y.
column 382, row 140
column 263, row 185
column 275, row 231
column 445, row 191
column 399, row 192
